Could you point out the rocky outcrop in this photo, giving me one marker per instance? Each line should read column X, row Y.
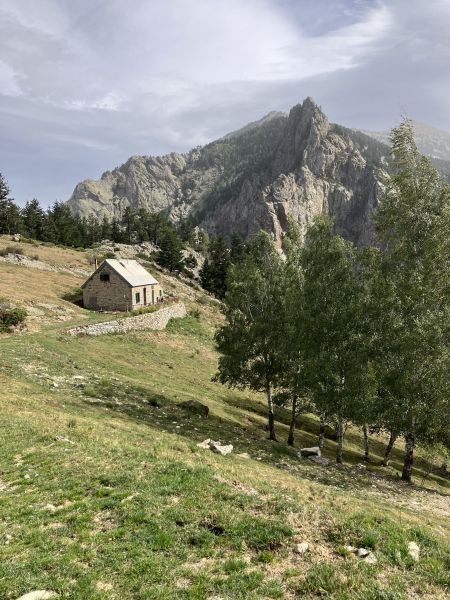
column 157, row 320
column 256, row 178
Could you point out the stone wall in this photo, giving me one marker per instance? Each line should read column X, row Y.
column 114, row 294
column 156, row 320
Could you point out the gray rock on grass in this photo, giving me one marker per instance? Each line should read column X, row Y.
column 307, row 452
column 216, row 447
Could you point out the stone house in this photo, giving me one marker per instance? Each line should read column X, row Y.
column 121, row 285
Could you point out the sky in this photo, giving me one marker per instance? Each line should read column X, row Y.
column 86, row 84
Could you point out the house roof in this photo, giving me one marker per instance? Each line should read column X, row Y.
column 130, row 270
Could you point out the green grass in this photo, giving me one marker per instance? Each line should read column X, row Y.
column 105, row 494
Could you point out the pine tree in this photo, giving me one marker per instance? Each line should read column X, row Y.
column 33, row 217
column 10, row 218
column 213, row 274
column 170, row 255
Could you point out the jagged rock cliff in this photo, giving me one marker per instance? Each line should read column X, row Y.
column 297, row 165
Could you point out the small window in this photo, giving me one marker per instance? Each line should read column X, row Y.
column 138, row 298
column 104, row 276
column 160, row 292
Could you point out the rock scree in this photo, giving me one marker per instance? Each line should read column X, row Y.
column 157, row 320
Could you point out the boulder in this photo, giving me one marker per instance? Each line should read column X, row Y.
column 313, row 451
column 363, row 552
column 195, row 407
column 219, row 449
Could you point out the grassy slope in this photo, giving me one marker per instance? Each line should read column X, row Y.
column 130, row 507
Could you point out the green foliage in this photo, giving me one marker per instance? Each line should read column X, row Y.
column 75, row 296
column 11, row 317
column 11, row 250
column 333, row 326
column 251, row 338
column 170, row 255
column 213, row 274
column 412, row 298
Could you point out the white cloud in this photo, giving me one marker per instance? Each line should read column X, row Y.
column 9, row 81
column 103, row 79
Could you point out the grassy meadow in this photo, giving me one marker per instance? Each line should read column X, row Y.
column 104, row 493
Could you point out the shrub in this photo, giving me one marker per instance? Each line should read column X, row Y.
column 25, row 240
column 11, row 250
column 11, row 317
column 195, row 313
column 75, row 296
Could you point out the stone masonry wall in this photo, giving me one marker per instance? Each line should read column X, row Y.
column 156, row 320
column 114, row 294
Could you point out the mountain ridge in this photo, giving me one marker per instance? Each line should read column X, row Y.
column 281, row 166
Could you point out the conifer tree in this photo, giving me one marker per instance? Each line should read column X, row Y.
column 213, row 274
column 170, row 255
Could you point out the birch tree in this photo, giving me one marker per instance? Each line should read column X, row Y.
column 413, row 294
column 333, row 331
column 251, row 339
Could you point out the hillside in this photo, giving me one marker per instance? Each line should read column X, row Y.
column 105, row 494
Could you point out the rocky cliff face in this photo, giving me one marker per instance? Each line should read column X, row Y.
column 297, row 165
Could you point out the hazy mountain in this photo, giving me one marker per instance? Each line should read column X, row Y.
column 430, row 141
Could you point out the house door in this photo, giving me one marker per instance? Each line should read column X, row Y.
column 145, row 296
column 153, row 295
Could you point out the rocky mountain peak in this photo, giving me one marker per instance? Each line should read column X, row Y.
column 307, row 126
column 255, row 178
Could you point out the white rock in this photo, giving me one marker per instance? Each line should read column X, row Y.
column 371, row 559
column 219, row 449
column 301, row 548
column 414, row 551
column 363, row 552
column 351, row 549
column 204, row 444
column 38, row 595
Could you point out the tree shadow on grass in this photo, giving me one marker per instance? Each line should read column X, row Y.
column 249, row 436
